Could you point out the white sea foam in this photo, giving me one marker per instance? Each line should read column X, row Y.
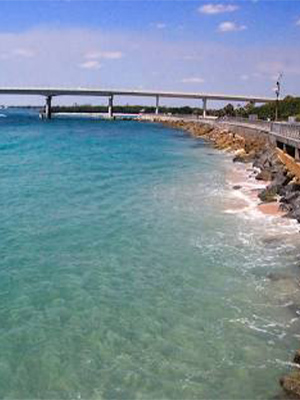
column 249, row 210
column 274, row 329
column 287, row 363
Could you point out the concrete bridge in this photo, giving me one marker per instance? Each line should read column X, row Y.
column 49, row 93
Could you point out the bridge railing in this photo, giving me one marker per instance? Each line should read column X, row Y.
column 289, row 131
column 259, row 123
column 283, row 129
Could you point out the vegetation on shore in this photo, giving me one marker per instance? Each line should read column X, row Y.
column 289, row 106
column 127, row 109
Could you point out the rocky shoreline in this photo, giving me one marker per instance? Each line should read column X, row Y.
column 283, row 183
column 283, row 187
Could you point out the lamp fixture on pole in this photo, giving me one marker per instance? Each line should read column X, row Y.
column 277, row 92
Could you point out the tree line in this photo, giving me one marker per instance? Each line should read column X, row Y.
column 289, row 106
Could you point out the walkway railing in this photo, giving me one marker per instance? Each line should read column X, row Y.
column 288, row 131
column 261, row 124
column 285, row 130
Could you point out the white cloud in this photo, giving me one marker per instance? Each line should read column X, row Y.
column 91, row 64
column 274, row 68
column 274, row 77
column 212, row 9
column 244, row 77
column 109, row 55
column 160, row 25
column 5, row 56
column 231, row 27
column 52, row 65
column 23, row 52
column 18, row 52
column 257, row 75
column 192, row 80
column 192, row 57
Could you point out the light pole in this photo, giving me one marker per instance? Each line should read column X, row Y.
column 277, row 92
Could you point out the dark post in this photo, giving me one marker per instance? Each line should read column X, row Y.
column 110, row 106
column 157, row 105
column 277, row 92
column 48, row 110
column 204, row 101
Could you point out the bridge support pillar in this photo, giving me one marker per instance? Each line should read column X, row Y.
column 110, row 106
column 48, row 110
column 204, row 102
column 157, row 105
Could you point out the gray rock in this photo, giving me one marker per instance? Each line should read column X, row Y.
column 268, row 195
column 243, row 158
column 280, row 180
column 289, row 188
column 266, row 158
column 264, row 175
column 295, row 209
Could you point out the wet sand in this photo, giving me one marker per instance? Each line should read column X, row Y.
column 271, row 209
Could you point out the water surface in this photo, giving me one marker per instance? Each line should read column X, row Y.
column 121, row 274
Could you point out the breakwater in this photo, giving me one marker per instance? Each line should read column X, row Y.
column 281, row 171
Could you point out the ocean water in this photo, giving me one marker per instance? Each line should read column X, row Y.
column 124, row 274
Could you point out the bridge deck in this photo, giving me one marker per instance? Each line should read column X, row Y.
column 126, row 92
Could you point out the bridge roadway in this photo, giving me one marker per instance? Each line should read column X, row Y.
column 49, row 93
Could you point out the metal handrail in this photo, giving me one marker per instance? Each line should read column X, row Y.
column 286, row 130
column 289, row 131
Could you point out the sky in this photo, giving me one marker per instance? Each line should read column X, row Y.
column 230, row 47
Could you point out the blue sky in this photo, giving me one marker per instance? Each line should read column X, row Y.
column 224, row 46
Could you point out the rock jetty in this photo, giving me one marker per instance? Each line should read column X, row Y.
column 279, row 170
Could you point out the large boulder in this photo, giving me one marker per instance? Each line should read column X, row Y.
column 244, row 157
column 296, row 359
column 290, row 203
column 260, row 160
column 264, row 175
column 290, row 198
column 279, row 182
column 268, row 195
column 289, row 188
column 266, row 158
column 291, row 384
column 281, row 179
column 294, row 213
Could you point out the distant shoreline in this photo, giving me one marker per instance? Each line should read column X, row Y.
column 94, row 115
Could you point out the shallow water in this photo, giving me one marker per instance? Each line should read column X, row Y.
column 123, row 275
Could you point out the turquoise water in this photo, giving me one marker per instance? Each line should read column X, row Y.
column 122, row 276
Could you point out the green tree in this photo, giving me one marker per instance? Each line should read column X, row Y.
column 229, row 110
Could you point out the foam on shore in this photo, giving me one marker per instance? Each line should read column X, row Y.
column 243, row 199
